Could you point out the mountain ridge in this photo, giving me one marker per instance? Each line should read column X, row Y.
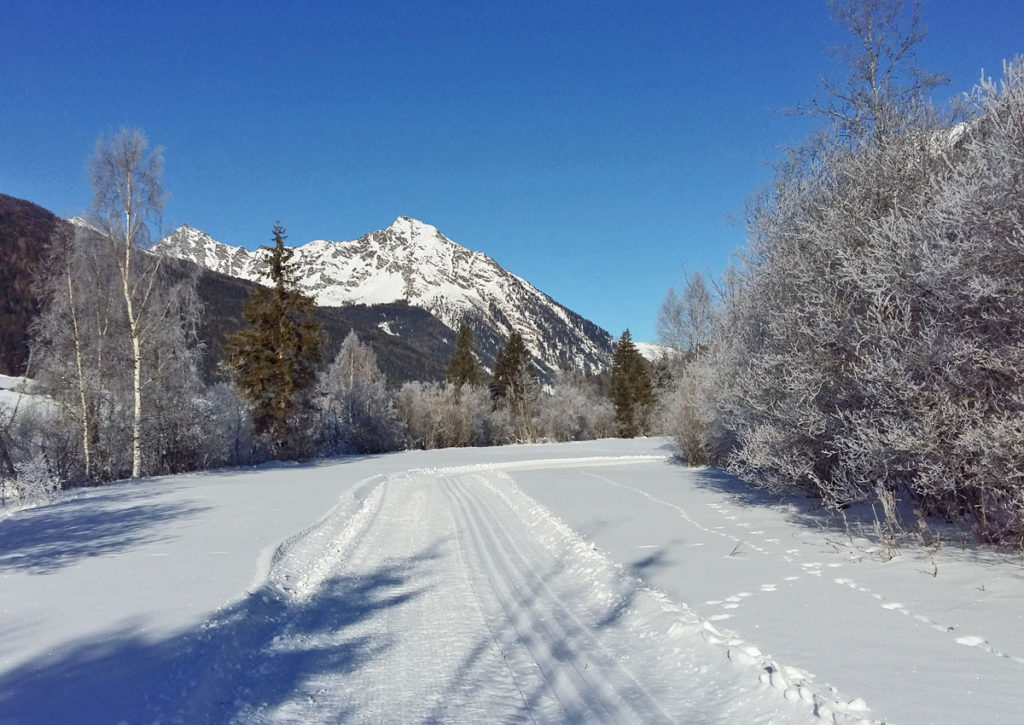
column 413, row 262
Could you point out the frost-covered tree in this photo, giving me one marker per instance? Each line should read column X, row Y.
column 574, row 410
column 441, row 415
column 356, row 409
column 884, row 90
column 868, row 348
column 685, row 320
column 274, row 359
column 127, row 198
column 114, row 345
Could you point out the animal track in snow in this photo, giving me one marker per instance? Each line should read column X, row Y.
column 793, row 683
column 966, row 640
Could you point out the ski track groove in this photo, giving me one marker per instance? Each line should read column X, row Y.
column 602, row 693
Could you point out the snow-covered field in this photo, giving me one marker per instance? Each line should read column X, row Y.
column 587, row 582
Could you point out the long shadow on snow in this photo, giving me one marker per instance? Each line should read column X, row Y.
column 101, row 520
column 49, row 538
column 466, row 676
column 251, row 655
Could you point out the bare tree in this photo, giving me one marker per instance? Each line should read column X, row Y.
column 127, row 198
column 884, row 85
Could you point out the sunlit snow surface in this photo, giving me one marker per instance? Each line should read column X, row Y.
column 589, row 582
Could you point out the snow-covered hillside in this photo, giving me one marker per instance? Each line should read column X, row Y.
column 589, row 582
column 413, row 262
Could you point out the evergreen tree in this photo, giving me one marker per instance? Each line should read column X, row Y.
column 630, row 388
column 516, row 388
column 464, row 366
column 274, row 360
column 511, row 368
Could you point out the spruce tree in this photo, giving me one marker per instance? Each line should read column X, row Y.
column 274, row 360
column 511, row 367
column 630, row 388
column 464, row 367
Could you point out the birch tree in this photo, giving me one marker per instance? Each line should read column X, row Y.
column 127, row 198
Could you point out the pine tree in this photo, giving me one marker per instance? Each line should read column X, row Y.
column 511, row 366
column 274, row 360
column 464, row 366
column 630, row 388
column 516, row 388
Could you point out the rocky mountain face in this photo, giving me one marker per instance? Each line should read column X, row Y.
column 413, row 263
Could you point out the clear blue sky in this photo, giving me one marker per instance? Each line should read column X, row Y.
column 595, row 148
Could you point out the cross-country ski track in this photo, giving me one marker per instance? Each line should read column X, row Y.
column 435, row 588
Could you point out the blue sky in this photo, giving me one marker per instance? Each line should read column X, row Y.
column 596, row 149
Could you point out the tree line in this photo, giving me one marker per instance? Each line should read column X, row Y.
column 868, row 346
column 115, row 362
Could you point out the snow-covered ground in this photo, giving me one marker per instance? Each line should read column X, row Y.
column 587, row 582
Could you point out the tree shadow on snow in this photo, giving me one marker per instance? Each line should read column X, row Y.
column 241, row 663
column 49, row 538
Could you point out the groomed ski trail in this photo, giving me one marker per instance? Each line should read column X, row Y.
column 448, row 595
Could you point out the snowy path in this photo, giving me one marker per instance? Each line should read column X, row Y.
column 590, row 582
column 465, row 615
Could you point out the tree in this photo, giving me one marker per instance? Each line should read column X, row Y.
column 358, row 416
column 464, row 365
column 127, row 198
column 515, row 386
column 274, row 360
column 884, row 90
column 116, row 333
column 630, row 388
column 685, row 322
column 511, row 366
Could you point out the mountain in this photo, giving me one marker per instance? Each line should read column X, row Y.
column 410, row 343
column 413, row 263
column 25, row 232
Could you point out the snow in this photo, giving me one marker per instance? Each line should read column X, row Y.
column 585, row 582
column 408, row 261
column 652, row 351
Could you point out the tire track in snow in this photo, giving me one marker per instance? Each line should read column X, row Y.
column 587, row 682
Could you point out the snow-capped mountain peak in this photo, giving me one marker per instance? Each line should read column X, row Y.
column 413, row 261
